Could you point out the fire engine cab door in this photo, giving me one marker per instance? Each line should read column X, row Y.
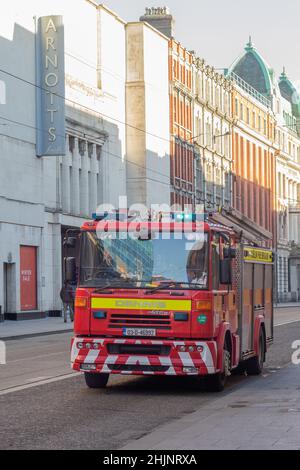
column 70, row 247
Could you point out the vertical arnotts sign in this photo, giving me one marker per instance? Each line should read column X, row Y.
column 50, row 90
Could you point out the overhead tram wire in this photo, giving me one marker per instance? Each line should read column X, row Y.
column 117, row 76
column 106, row 151
column 118, row 157
column 60, row 135
column 93, row 111
column 102, row 115
column 83, row 106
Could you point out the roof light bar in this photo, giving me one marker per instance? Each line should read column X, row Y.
column 187, row 216
column 159, row 217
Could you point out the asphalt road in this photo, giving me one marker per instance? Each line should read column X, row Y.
column 43, row 406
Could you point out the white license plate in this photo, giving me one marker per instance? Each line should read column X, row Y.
column 139, row 332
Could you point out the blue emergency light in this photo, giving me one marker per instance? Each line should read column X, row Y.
column 186, row 216
column 112, row 215
column 100, row 215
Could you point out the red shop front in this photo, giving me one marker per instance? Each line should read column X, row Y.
column 28, row 278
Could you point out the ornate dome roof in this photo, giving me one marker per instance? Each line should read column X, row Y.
column 289, row 92
column 252, row 68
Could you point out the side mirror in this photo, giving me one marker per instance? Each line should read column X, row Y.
column 70, row 242
column 225, row 271
column 70, row 269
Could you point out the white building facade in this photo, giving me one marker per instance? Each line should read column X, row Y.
column 41, row 197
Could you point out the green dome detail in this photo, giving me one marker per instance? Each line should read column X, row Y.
column 289, row 92
column 252, row 68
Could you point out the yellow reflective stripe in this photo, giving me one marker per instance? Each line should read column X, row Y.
column 141, row 304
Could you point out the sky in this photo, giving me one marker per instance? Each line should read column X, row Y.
column 217, row 30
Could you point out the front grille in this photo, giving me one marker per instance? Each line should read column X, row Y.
column 160, row 322
column 148, row 349
column 137, row 368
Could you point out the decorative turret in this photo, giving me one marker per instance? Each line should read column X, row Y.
column 253, row 69
column 283, row 75
column 249, row 46
column 291, row 94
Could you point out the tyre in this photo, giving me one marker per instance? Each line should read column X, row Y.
column 94, row 380
column 254, row 366
column 239, row 370
column 217, row 382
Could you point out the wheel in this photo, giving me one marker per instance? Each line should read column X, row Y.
column 254, row 366
column 239, row 370
column 94, row 380
column 217, row 382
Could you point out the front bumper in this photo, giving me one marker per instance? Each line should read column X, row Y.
column 172, row 362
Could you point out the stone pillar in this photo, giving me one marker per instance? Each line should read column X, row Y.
column 93, row 180
column 65, row 177
column 84, row 180
column 103, row 183
column 75, row 190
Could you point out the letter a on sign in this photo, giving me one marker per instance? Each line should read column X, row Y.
column 50, row 26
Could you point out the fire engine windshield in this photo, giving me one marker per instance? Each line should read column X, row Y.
column 178, row 260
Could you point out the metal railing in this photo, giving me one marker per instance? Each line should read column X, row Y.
column 249, row 89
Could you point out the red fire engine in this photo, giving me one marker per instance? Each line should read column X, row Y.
column 169, row 297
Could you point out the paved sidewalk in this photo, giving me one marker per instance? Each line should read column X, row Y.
column 287, row 305
column 263, row 413
column 286, row 315
column 27, row 328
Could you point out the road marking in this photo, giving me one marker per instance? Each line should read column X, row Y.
column 36, row 384
column 287, row 322
column 37, row 379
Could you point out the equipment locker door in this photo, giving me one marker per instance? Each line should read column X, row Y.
column 258, row 294
column 269, row 301
column 247, row 307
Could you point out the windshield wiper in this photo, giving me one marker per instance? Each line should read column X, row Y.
column 107, row 286
column 116, row 284
column 166, row 285
column 174, row 283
